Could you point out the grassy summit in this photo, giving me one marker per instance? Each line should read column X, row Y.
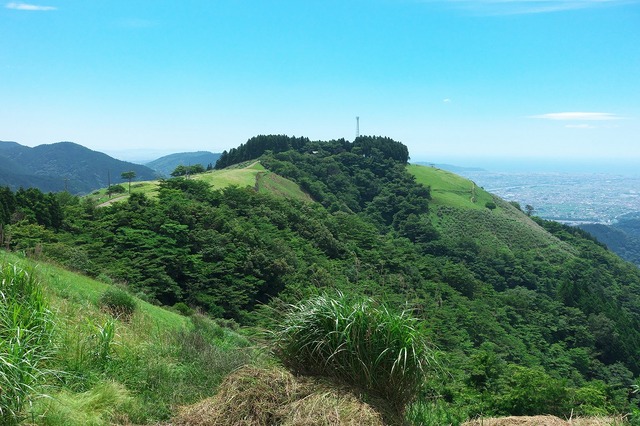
column 251, row 174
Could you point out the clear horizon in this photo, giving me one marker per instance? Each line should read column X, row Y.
column 448, row 78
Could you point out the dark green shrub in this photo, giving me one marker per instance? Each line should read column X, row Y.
column 357, row 342
column 183, row 309
column 117, row 189
column 118, row 302
column 227, row 323
column 490, row 205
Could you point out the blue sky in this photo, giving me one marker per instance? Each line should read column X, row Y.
column 451, row 79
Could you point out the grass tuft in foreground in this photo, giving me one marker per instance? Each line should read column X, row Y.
column 357, row 342
column 26, row 343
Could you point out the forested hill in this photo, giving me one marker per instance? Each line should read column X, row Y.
column 167, row 164
column 528, row 316
column 363, row 145
column 60, row 166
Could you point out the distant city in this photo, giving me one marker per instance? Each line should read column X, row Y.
column 572, row 198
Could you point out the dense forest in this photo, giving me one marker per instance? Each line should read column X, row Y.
column 527, row 316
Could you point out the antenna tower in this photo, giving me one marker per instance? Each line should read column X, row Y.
column 357, row 127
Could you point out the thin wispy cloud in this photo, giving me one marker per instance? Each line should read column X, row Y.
column 30, row 7
column 520, row 7
column 578, row 116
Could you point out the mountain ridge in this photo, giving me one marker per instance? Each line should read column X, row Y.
column 62, row 166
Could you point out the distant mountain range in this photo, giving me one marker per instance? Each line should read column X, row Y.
column 63, row 165
column 167, row 164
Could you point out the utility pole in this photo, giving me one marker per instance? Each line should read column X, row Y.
column 357, row 127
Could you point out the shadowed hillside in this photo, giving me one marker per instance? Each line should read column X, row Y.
column 62, row 166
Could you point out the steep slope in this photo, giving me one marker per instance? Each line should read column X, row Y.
column 60, row 166
column 167, row 164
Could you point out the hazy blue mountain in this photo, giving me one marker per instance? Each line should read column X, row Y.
column 623, row 237
column 167, row 164
column 62, row 165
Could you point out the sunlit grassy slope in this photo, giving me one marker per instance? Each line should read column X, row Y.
column 244, row 174
column 448, row 189
column 459, row 211
column 251, row 174
column 107, row 370
column 63, row 284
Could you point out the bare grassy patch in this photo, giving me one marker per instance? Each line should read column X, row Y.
column 546, row 421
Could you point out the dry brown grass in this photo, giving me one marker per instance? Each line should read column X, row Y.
column 258, row 396
column 546, row 421
column 598, row 421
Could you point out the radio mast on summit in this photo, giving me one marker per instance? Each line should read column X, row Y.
column 357, row 127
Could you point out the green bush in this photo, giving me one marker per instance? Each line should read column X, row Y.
column 117, row 189
column 118, row 302
column 355, row 341
column 183, row 309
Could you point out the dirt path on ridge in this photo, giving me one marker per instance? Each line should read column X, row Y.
column 111, row 201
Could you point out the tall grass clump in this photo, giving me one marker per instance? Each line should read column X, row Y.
column 26, row 331
column 357, row 342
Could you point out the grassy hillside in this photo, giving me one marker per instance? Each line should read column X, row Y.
column 449, row 189
column 528, row 316
column 102, row 368
column 251, row 174
column 459, row 211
